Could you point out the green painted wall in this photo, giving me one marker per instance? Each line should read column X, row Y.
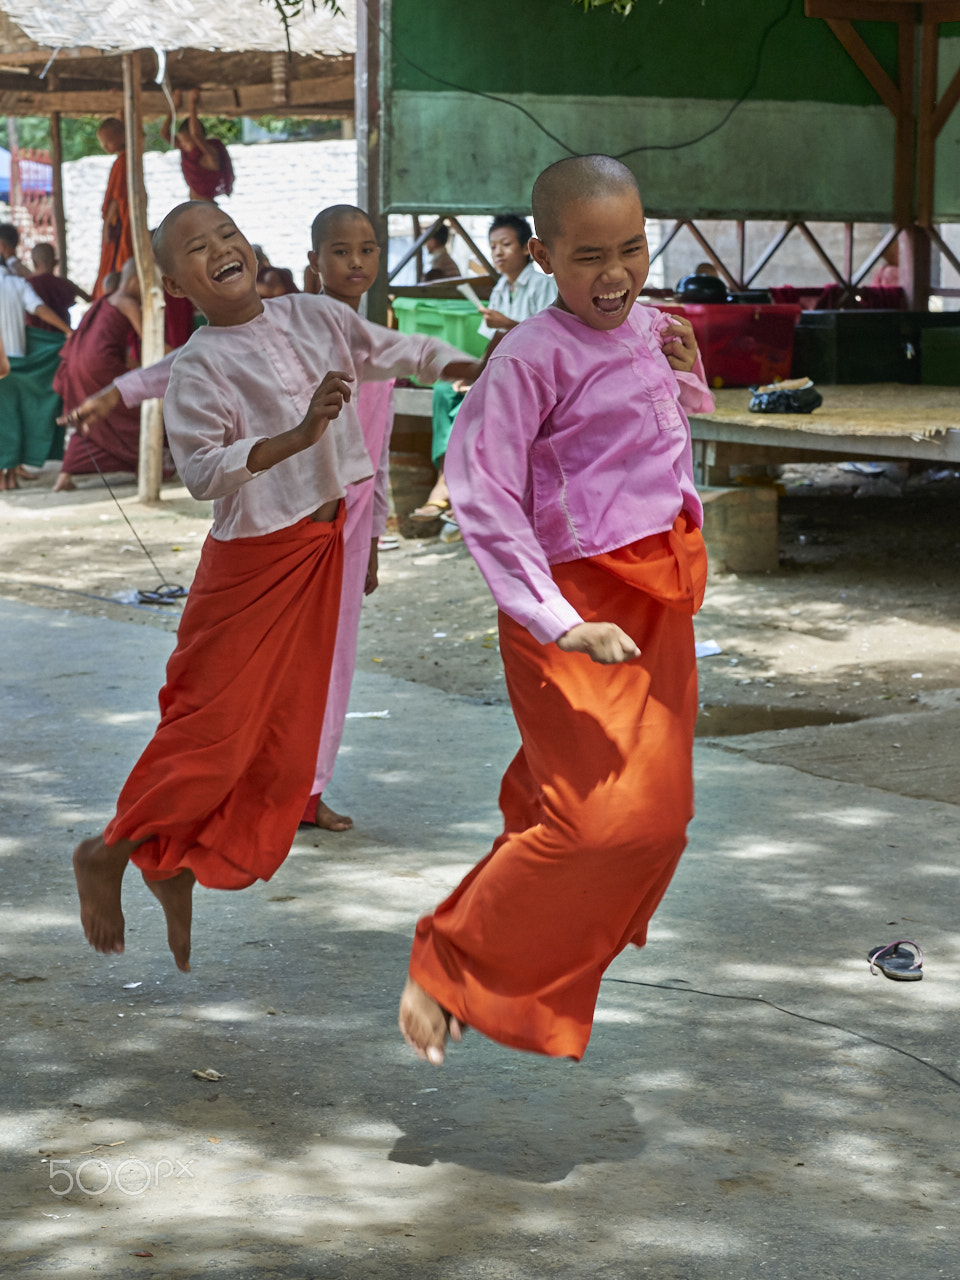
column 673, row 49
column 810, row 141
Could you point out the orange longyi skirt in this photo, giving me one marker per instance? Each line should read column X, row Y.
column 221, row 786
column 595, row 805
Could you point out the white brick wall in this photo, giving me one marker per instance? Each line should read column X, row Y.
column 279, row 189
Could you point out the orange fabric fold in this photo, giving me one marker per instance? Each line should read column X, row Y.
column 119, row 244
column 222, row 784
column 595, row 807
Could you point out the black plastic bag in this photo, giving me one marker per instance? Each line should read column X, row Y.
column 797, row 396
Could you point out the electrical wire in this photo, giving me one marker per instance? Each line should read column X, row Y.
column 165, row 592
column 651, row 146
column 804, row 1017
column 86, row 595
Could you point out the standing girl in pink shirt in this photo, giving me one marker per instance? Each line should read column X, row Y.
column 570, row 470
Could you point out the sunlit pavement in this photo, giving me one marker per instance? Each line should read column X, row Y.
column 701, row 1137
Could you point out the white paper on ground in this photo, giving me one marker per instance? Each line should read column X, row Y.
column 368, row 715
column 707, row 649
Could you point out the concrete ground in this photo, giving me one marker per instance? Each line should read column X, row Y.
column 707, row 1134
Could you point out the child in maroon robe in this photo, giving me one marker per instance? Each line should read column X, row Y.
column 57, row 292
column 205, row 162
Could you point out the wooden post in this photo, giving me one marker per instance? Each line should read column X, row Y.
column 370, row 14
column 926, row 138
column 848, row 231
column 59, row 215
column 150, row 472
column 13, row 140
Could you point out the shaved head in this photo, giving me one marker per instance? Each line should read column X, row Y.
column 327, row 219
column 164, row 238
column 44, row 256
column 574, row 180
column 112, row 128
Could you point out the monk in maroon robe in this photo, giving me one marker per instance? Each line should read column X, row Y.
column 117, row 241
column 94, row 355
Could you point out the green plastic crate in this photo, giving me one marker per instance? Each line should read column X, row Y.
column 940, row 357
column 454, row 321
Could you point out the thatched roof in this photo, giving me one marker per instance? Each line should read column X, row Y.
column 222, row 25
column 232, row 50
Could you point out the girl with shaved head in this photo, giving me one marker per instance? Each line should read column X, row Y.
column 570, row 471
column 260, row 418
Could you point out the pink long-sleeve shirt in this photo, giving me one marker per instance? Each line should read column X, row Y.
column 230, row 387
column 573, row 442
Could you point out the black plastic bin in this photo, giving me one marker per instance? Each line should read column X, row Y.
column 834, row 347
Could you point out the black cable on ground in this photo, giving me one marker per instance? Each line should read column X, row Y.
column 804, row 1017
column 88, row 595
column 165, row 592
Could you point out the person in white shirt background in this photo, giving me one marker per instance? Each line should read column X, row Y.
column 521, row 291
column 17, row 297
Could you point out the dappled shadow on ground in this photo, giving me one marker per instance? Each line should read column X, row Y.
column 700, row 1137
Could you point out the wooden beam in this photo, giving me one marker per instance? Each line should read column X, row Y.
column 59, row 215
column 866, row 62
column 862, row 10
column 905, row 139
column 914, row 266
column 767, row 254
column 714, row 257
column 948, row 253
column 926, row 137
column 873, row 258
column 821, row 253
column 667, row 240
column 418, row 244
column 848, row 236
column 280, row 73
column 944, row 108
column 480, row 255
column 39, row 57
column 150, row 473
column 306, row 97
column 941, row 11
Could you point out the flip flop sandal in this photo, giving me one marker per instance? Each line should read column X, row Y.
column 425, row 513
column 900, row 965
column 166, row 593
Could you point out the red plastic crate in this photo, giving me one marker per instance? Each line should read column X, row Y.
column 742, row 344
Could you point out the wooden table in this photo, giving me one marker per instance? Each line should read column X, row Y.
column 881, row 420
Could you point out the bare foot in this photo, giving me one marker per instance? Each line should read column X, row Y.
column 64, row 483
column 425, row 1024
column 99, row 870
column 318, row 814
column 9, row 480
column 327, row 820
column 176, row 897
